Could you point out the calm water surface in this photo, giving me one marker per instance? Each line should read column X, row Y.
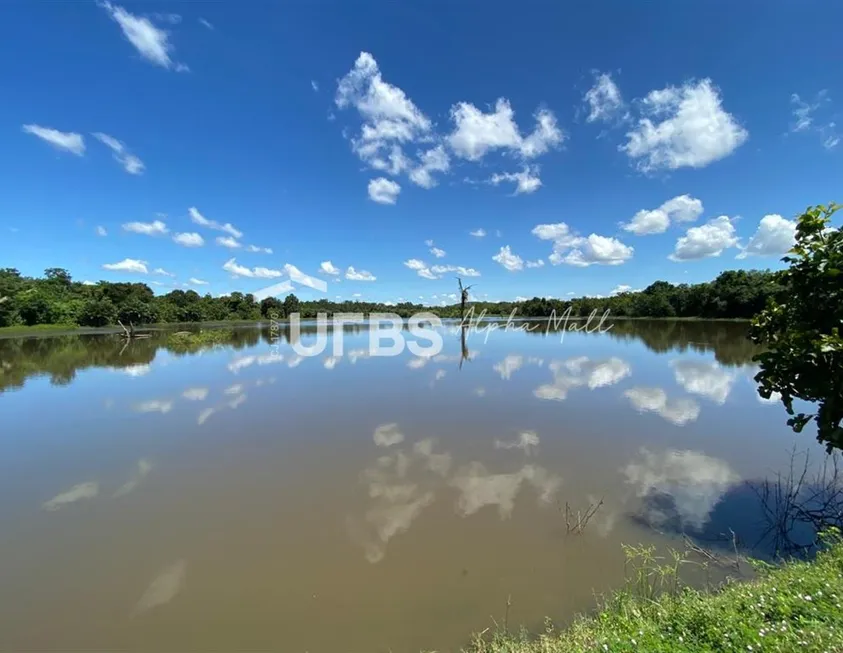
column 234, row 499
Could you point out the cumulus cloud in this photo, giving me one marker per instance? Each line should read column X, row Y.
column 329, row 268
column 128, row 265
column 603, row 99
column 151, row 42
column 438, row 253
column 359, row 275
column 683, row 126
column 131, row 164
column 67, row 141
column 579, row 251
column 478, row 233
column 155, row 228
column 231, row 266
column 775, row 236
column 507, row 259
column 539, row 263
column 229, row 242
column 526, row 181
column 433, row 160
column 390, row 121
column 163, row 272
column 101, row 231
column 383, row 190
column 682, row 208
column 202, row 221
column 197, row 282
column 477, row 133
column 708, row 240
column 704, row 378
column 189, row 239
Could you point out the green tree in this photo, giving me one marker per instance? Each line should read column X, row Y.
column 291, row 304
column 271, row 307
column 801, row 330
column 97, row 312
column 137, row 312
column 35, row 308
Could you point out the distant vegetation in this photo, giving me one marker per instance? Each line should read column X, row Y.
column 57, row 299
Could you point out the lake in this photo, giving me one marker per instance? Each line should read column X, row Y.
column 245, row 497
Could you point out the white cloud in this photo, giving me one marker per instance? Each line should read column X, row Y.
column 151, row 42
column 459, row 269
column 190, row 239
column 237, row 270
column 478, row 233
column 314, row 85
column 558, row 233
column 67, row 141
column 775, row 236
column 204, row 22
column 383, row 190
column 604, row 99
column 433, row 160
column 358, row 275
column 438, row 253
column 329, row 268
column 582, row 371
column 131, row 164
column 803, row 112
column 682, row 208
column 415, row 264
column 390, row 119
column 155, row 228
column 477, row 133
column 622, row 288
column 507, row 259
column 708, row 240
column 202, row 221
column 258, row 250
column 694, row 130
column 595, row 250
column 535, row 264
column 197, row 282
column 163, row 272
column 228, row 241
column 101, row 231
column 128, row 265
column 527, row 181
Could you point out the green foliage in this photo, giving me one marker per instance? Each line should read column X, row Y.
column 795, row 607
column 801, row 329
column 97, row 312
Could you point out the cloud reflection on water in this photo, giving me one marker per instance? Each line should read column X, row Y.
column 582, row 371
column 677, row 411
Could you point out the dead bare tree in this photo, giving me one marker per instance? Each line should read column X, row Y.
column 463, row 297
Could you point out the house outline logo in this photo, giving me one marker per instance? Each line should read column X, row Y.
column 286, row 286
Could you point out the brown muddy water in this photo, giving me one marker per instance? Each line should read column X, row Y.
column 246, row 498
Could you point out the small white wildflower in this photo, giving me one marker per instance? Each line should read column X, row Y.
column 634, row 642
column 749, row 647
column 807, row 597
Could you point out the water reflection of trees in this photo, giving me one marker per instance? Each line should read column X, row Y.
column 727, row 340
column 60, row 357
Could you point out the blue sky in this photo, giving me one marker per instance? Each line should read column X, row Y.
column 595, row 146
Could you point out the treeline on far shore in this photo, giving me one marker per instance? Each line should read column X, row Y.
column 56, row 299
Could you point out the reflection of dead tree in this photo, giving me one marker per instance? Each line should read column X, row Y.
column 576, row 522
column 464, row 353
column 797, row 507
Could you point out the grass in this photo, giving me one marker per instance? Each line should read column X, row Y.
column 38, row 328
column 794, row 607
